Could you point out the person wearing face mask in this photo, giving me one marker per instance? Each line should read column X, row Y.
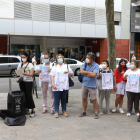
column 133, row 97
column 120, row 85
column 90, row 70
column 47, row 86
column 34, row 60
column 133, row 57
column 27, row 83
column 104, row 93
column 60, row 94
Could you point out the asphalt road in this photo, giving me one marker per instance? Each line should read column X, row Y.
column 4, row 84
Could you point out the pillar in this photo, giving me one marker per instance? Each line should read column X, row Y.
column 44, row 45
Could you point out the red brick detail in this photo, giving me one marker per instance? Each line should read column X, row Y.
column 3, row 44
column 122, row 48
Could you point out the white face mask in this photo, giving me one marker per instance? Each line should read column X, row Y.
column 87, row 60
column 24, row 59
column 104, row 66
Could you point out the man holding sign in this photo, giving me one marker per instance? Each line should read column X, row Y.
column 132, row 76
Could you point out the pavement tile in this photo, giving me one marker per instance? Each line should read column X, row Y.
column 44, row 126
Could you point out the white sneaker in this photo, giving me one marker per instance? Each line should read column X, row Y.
column 128, row 114
column 137, row 114
column 114, row 110
column 121, row 110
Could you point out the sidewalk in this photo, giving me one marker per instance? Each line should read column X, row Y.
column 45, row 127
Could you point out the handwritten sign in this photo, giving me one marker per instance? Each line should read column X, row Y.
column 107, row 81
column 61, row 80
column 132, row 84
column 44, row 76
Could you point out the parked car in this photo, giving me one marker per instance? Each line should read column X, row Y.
column 117, row 62
column 8, row 64
column 73, row 63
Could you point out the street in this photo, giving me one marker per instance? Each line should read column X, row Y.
column 4, row 84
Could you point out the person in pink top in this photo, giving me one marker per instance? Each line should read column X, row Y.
column 47, row 86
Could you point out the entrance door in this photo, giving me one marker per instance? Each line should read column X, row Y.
column 83, row 51
column 64, row 51
column 88, row 49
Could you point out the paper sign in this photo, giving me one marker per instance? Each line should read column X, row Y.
column 44, row 76
column 61, row 80
column 132, row 84
column 19, row 72
column 107, row 81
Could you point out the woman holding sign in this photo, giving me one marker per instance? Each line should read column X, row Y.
column 120, row 85
column 26, row 83
column 104, row 93
column 45, row 83
column 60, row 82
column 133, row 87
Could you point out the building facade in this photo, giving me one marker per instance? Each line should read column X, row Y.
column 69, row 27
column 135, row 28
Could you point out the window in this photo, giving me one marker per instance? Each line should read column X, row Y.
column 3, row 59
column 137, row 20
column 70, row 61
column 116, row 22
column 13, row 60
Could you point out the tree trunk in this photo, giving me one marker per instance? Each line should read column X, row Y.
column 111, row 33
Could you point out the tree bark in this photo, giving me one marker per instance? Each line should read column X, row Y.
column 111, row 33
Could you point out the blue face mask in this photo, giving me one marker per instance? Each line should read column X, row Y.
column 46, row 60
column 131, row 67
column 60, row 60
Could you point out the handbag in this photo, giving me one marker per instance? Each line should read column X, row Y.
column 80, row 76
column 71, row 83
column 20, row 79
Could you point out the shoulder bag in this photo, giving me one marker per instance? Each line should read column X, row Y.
column 80, row 76
column 71, row 83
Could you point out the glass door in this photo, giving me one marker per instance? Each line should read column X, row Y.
column 88, row 49
column 64, row 51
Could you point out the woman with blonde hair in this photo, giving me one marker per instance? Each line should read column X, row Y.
column 60, row 75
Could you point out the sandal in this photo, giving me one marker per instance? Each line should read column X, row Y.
column 67, row 104
column 44, row 111
column 65, row 114
column 56, row 115
column 52, row 112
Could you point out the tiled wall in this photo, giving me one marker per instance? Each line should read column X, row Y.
column 122, row 48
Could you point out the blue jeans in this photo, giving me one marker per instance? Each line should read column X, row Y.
column 60, row 95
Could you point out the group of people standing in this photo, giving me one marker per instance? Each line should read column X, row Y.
column 91, row 84
column 57, row 95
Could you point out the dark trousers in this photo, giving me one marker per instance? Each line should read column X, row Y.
column 60, row 95
column 67, row 100
column 26, row 87
column 133, row 98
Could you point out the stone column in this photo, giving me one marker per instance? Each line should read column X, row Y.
column 44, row 45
